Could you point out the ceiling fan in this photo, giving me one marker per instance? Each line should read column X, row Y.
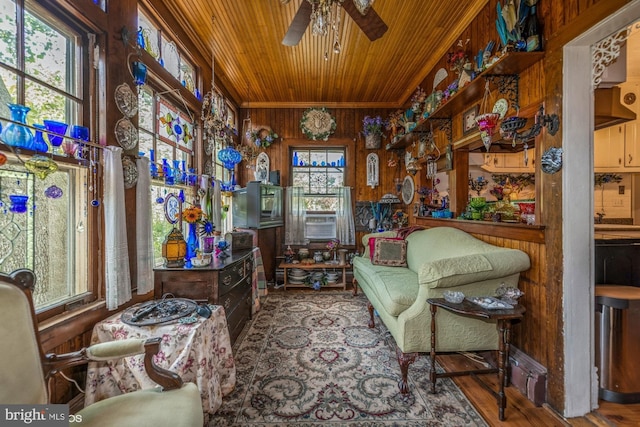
column 359, row 10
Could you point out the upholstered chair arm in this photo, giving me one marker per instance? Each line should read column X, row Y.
column 117, row 350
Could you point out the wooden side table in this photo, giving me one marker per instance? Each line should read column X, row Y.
column 317, row 266
column 470, row 309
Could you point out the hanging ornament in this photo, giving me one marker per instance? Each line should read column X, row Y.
column 487, row 121
column 40, row 166
column 53, row 192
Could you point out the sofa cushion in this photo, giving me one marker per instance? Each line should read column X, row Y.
column 396, row 288
column 463, row 265
column 366, row 237
column 389, row 251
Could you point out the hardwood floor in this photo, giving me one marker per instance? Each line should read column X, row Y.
column 520, row 412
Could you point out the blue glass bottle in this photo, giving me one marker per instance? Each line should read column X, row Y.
column 183, row 169
column 168, row 172
column 295, row 158
column 176, row 171
column 39, row 144
column 152, row 166
column 14, row 134
column 192, row 245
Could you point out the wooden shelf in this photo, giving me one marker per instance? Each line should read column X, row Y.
column 317, row 266
column 511, row 63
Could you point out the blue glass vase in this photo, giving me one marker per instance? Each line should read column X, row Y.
column 14, row 134
column 192, row 244
column 39, row 144
column 152, row 166
column 167, row 171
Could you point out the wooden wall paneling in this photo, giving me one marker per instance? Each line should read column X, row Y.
column 552, row 201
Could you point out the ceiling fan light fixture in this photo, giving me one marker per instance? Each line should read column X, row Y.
column 363, row 6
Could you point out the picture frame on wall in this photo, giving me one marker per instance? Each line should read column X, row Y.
column 469, row 120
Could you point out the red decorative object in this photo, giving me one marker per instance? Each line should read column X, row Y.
column 488, row 122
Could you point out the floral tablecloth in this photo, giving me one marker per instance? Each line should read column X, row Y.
column 199, row 352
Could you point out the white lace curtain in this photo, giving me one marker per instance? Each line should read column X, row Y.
column 144, row 235
column 295, row 216
column 345, row 223
column 117, row 275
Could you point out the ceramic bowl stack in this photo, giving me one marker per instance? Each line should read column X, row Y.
column 332, row 277
column 297, row 276
column 316, row 275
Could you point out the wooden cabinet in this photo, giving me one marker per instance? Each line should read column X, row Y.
column 617, row 148
column 225, row 282
column 608, row 147
column 508, row 162
column 631, row 145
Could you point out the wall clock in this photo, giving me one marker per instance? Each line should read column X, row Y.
column 317, row 124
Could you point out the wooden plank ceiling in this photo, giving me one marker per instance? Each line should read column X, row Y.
column 260, row 72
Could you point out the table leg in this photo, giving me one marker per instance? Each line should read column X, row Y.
column 507, row 349
column 502, row 338
column 344, row 278
column 432, row 368
column 285, row 278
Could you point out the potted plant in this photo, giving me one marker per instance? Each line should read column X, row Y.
column 372, row 131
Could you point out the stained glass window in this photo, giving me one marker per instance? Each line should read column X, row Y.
column 152, row 39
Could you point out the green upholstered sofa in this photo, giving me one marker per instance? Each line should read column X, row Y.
column 438, row 259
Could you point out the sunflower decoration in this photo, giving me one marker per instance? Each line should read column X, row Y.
column 192, row 215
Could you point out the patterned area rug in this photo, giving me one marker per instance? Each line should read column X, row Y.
column 309, row 359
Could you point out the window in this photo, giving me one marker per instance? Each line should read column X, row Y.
column 160, row 46
column 320, row 172
column 167, row 135
column 41, row 64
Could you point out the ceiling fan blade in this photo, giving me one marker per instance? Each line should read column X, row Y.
column 371, row 24
column 298, row 25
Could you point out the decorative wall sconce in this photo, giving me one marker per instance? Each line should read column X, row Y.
column 373, row 170
column 510, row 128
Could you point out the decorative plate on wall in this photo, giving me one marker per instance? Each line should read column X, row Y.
column 171, row 208
column 129, row 172
column 408, row 189
column 126, row 100
column 126, row 134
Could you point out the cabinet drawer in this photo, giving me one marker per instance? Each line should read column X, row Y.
column 238, row 315
column 181, row 284
column 233, row 298
column 237, row 274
